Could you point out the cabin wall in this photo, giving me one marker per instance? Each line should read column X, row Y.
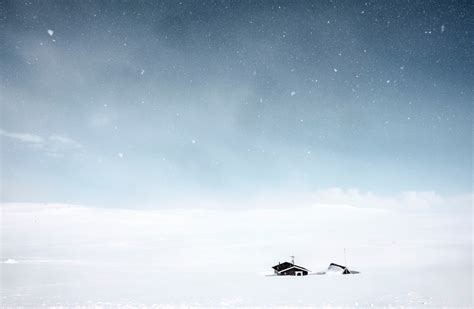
column 292, row 272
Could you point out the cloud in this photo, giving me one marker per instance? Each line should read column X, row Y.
column 23, row 137
column 65, row 141
column 54, row 145
column 406, row 199
column 10, row 261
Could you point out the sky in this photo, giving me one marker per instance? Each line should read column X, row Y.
column 156, row 104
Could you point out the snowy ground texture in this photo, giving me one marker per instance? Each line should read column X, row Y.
column 63, row 255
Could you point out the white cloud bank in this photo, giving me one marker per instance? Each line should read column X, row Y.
column 412, row 200
column 10, row 261
column 54, row 145
column 23, row 137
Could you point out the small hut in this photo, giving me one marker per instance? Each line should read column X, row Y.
column 333, row 267
column 339, row 268
column 289, row 269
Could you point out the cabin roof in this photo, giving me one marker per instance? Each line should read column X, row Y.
column 337, row 265
column 287, row 265
column 294, row 266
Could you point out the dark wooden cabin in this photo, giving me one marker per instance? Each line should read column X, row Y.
column 289, row 269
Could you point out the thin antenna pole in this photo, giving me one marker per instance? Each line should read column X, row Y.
column 345, row 260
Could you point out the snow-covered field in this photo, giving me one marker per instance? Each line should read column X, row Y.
column 63, row 255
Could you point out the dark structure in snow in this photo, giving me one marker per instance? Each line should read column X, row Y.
column 340, row 268
column 289, row 269
column 337, row 269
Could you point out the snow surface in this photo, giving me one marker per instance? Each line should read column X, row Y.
column 84, row 256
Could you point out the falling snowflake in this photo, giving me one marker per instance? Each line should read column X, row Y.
column 292, row 93
column 120, row 155
column 50, row 32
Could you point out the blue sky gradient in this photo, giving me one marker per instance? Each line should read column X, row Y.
column 122, row 103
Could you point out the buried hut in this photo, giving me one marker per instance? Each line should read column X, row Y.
column 339, row 268
column 336, row 268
